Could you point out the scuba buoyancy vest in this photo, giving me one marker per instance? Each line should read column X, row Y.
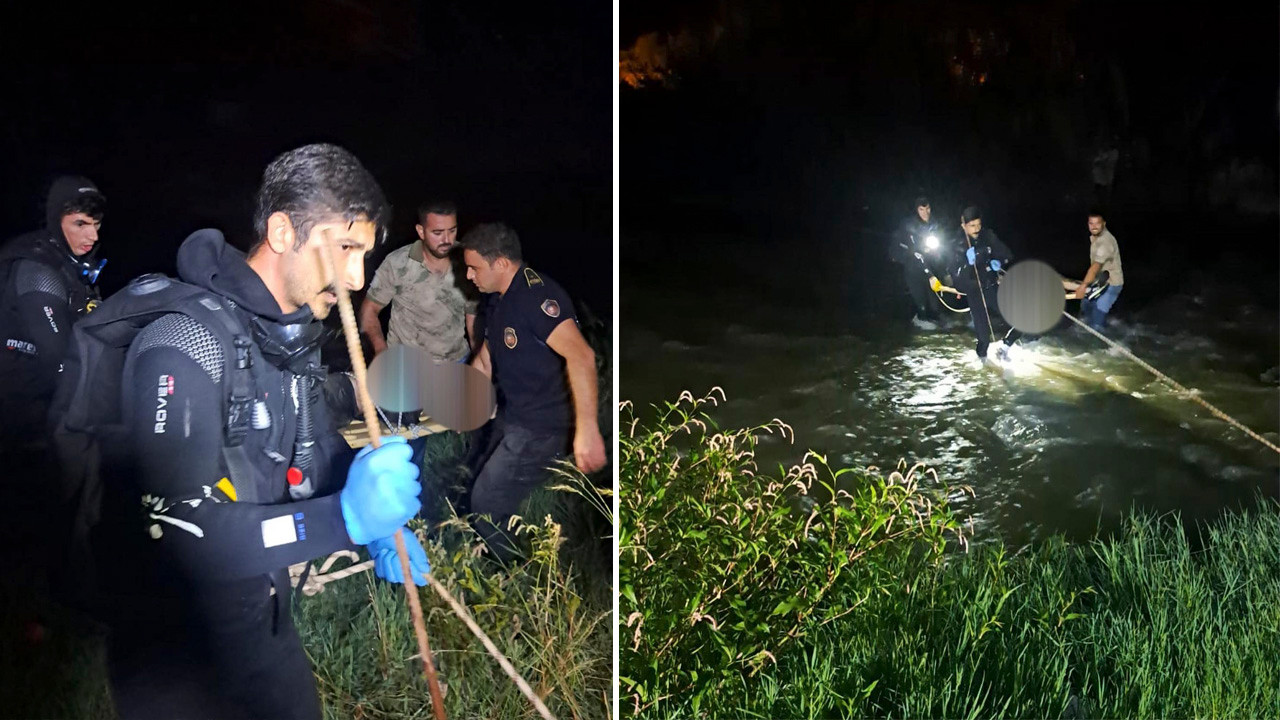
column 78, row 276
column 87, row 418
column 986, row 247
column 910, row 238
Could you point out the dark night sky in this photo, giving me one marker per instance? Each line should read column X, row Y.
column 175, row 111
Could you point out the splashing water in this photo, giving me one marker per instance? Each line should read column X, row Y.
column 1065, row 437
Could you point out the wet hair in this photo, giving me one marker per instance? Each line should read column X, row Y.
column 921, row 201
column 970, row 214
column 91, row 204
column 315, row 183
column 492, row 241
column 71, row 194
column 436, row 207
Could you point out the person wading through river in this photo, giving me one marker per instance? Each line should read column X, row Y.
column 977, row 275
column 1104, row 271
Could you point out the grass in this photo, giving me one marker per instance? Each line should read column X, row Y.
column 56, row 671
column 549, row 613
column 744, row 595
column 360, row 640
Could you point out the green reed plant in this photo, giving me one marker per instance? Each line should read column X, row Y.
column 721, row 570
column 550, row 612
column 1147, row 623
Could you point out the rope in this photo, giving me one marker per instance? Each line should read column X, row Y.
column 411, row 590
column 356, row 354
column 318, row 579
column 981, row 294
column 937, row 287
column 505, row 664
column 1190, row 394
column 945, row 305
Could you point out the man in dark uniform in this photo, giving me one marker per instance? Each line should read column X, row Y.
column 47, row 280
column 912, row 248
column 977, row 274
column 201, row 529
column 531, row 344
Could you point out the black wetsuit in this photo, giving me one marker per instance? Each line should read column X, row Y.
column 982, row 304
column 908, row 240
column 197, row 630
column 42, row 293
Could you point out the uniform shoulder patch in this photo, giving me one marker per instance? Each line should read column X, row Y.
column 531, row 277
column 509, row 338
column 551, row 308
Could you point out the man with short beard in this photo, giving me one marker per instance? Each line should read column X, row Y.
column 976, row 274
column 216, row 487
column 433, row 311
column 1104, row 266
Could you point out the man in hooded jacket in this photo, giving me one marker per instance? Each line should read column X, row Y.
column 47, row 281
column 48, row 278
column 910, row 249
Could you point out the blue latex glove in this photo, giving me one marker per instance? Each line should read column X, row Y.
column 995, row 266
column 382, row 491
column 386, row 563
column 973, row 256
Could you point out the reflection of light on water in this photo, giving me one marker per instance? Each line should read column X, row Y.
column 930, row 377
column 1028, row 434
column 934, row 394
column 1020, row 362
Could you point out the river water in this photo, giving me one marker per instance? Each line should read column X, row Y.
column 1064, row 439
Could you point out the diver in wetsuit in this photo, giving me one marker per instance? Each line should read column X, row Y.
column 205, row 508
column 48, row 280
column 915, row 241
column 976, row 274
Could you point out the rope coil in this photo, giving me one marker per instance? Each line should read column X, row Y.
column 319, row 577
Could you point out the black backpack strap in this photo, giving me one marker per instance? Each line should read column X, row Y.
column 237, row 376
column 240, row 400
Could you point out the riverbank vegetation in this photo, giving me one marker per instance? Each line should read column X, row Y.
column 824, row 592
column 550, row 613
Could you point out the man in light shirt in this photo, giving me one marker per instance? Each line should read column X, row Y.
column 432, row 309
column 1104, row 265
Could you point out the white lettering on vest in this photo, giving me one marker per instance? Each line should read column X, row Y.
column 164, row 389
